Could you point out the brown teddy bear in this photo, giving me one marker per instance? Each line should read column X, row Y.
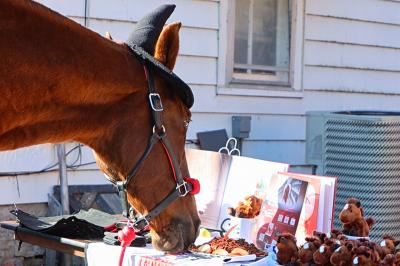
column 287, row 251
column 397, row 256
column 337, row 234
column 388, row 245
column 352, row 217
column 307, row 250
column 323, row 255
column 388, row 260
column 374, row 248
column 363, row 256
column 343, row 255
column 320, row 235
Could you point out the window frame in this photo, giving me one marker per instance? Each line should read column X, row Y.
column 292, row 88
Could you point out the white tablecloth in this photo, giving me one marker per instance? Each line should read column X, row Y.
column 99, row 254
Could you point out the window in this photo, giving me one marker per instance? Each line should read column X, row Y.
column 261, row 41
column 260, row 44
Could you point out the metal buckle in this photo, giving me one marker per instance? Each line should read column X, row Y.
column 185, row 191
column 162, row 129
column 153, row 98
column 140, row 220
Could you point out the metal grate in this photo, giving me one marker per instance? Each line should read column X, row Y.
column 365, row 156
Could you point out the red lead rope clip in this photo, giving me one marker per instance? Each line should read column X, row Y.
column 125, row 236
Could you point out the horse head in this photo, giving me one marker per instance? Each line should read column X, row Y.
column 176, row 227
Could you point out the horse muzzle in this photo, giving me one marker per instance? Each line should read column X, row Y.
column 175, row 237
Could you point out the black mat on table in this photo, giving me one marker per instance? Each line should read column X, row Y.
column 83, row 225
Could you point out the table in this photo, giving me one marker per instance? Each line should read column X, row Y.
column 74, row 247
column 93, row 253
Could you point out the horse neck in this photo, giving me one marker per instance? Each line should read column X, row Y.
column 59, row 81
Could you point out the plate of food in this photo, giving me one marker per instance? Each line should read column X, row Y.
column 227, row 247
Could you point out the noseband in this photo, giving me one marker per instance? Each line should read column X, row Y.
column 184, row 185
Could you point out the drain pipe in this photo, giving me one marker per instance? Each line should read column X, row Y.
column 66, row 259
column 64, row 196
column 86, row 14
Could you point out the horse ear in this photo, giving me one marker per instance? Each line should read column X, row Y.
column 167, row 46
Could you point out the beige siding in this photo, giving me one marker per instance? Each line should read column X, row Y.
column 368, row 10
column 352, row 49
column 352, row 56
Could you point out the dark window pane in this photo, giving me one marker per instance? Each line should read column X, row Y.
column 264, row 32
column 241, row 31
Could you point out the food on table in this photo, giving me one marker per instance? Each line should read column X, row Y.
column 228, row 246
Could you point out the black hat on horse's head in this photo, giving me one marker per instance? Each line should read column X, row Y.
column 142, row 42
column 148, row 29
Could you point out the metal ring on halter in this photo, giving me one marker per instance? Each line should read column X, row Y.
column 182, row 193
column 162, row 127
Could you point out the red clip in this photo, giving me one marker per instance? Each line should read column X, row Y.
column 195, row 185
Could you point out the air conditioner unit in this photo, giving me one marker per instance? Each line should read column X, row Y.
column 361, row 148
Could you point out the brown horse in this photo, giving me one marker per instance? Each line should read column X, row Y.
column 62, row 82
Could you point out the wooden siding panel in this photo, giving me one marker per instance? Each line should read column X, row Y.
column 351, row 56
column 197, row 70
column 372, row 10
column 263, row 127
column 193, row 41
column 203, row 14
column 66, row 7
column 292, row 152
column 353, row 32
column 207, row 102
column 351, row 80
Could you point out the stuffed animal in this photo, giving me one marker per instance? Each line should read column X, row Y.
column 337, row 234
column 343, row 255
column 323, row 255
column 320, row 235
column 249, row 208
column 287, row 251
column 374, row 248
column 352, row 217
column 388, row 260
column 397, row 258
column 363, row 256
column 307, row 250
column 388, row 245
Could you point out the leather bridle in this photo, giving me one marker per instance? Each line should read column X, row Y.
column 184, row 185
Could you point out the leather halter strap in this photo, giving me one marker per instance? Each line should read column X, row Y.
column 159, row 135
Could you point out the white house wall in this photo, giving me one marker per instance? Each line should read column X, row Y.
column 350, row 60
